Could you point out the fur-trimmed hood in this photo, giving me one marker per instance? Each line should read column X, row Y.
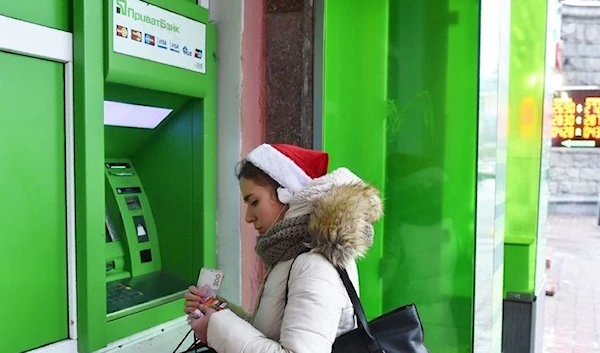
column 342, row 209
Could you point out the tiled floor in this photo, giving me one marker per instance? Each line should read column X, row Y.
column 572, row 319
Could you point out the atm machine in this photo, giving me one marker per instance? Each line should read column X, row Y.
column 155, row 208
column 135, row 278
column 146, row 162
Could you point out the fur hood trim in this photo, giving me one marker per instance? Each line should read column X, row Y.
column 343, row 210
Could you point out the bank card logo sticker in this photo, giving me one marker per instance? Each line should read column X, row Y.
column 122, row 31
column 136, row 35
column 149, row 39
column 156, row 27
column 162, row 43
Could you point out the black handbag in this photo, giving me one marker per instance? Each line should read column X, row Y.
column 399, row 331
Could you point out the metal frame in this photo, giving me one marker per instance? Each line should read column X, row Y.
column 580, row 3
column 204, row 3
column 70, row 183
column 318, row 20
column 34, row 40
column 41, row 42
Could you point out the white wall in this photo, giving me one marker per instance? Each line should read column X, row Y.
column 228, row 16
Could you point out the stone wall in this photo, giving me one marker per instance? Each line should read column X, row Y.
column 575, row 173
column 580, row 34
column 289, row 72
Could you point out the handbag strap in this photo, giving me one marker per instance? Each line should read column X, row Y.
column 372, row 343
column 287, row 284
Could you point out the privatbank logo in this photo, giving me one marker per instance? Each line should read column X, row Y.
column 122, row 8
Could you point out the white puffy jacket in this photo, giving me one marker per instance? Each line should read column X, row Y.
column 342, row 209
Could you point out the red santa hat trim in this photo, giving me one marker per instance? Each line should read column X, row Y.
column 291, row 166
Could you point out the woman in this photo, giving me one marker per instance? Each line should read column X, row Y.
column 308, row 222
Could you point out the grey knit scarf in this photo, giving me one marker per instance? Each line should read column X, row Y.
column 284, row 241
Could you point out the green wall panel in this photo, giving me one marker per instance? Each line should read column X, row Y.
column 517, row 260
column 88, row 95
column 165, row 168
column 132, row 324
column 354, row 108
column 125, row 141
column 49, row 13
column 33, row 258
column 526, row 94
column 205, row 160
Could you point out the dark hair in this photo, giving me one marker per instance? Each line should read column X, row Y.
column 249, row 171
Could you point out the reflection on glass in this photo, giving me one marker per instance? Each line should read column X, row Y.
column 430, row 167
column 444, row 146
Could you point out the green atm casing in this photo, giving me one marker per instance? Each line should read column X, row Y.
column 175, row 163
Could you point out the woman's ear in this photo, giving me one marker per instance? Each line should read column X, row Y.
column 273, row 196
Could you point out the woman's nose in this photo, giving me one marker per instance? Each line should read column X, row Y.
column 249, row 215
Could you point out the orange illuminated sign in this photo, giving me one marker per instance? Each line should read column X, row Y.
column 575, row 118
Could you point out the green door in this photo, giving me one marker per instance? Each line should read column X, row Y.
column 33, row 242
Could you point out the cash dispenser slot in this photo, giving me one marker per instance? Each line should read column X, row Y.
column 117, row 165
column 129, row 190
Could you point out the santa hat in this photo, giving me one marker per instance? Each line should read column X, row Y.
column 291, row 166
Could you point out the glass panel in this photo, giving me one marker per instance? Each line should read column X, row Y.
column 444, row 168
column 491, row 171
column 430, row 168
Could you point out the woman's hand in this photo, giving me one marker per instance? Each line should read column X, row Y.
column 195, row 297
column 200, row 326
